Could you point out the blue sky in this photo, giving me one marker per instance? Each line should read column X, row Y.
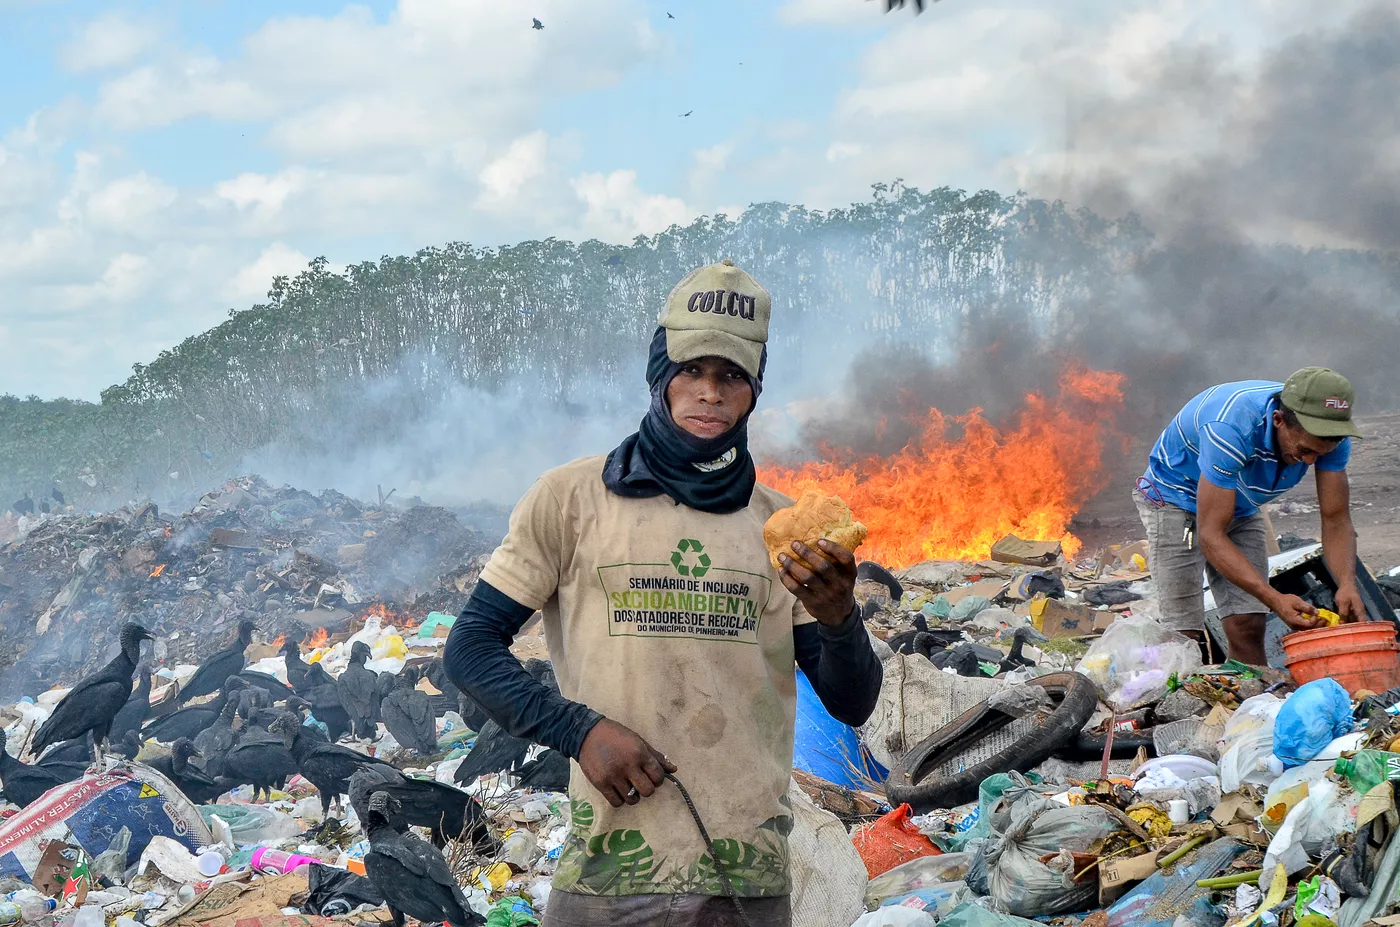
column 161, row 161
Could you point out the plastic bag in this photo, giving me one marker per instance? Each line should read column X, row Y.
column 1247, row 746
column 1022, row 700
column 967, row 608
column 1312, row 828
column 1133, row 662
column 924, row 872
column 890, row 841
column 1016, row 878
column 1312, row 718
column 896, row 917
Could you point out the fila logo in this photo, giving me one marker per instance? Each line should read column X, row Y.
column 1337, row 404
column 715, row 301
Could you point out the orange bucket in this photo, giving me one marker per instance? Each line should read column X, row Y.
column 1359, row 656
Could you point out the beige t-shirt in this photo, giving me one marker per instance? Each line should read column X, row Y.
column 672, row 622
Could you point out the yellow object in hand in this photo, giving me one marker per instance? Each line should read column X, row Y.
column 1331, row 619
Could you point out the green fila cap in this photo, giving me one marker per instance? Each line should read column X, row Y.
column 717, row 311
column 1322, row 400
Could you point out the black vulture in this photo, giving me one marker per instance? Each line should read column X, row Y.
column 261, row 758
column 296, row 666
column 187, row 777
column 408, row 714
column 411, row 875
column 451, row 696
column 327, row 766
column 536, row 24
column 444, row 810
column 473, row 715
column 216, row 740
column 24, row 783
column 133, row 713
column 58, row 496
column 547, row 772
column 213, row 671
column 130, row 745
column 276, row 690
column 359, row 691
column 495, row 750
column 1016, row 659
column 23, row 506
column 252, row 700
column 188, row 722
column 326, row 705
column 93, row 703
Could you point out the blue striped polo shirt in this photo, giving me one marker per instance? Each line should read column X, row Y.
column 1227, row 434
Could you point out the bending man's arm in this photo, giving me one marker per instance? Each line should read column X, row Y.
column 1339, row 540
column 841, row 666
column 479, row 662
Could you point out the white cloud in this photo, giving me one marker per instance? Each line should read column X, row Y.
column 503, row 178
column 830, row 12
column 252, row 282
column 619, row 210
column 264, row 194
column 128, row 205
column 111, row 40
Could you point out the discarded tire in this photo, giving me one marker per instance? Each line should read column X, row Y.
column 1084, row 747
column 947, row 767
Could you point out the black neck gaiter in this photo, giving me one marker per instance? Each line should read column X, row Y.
column 708, row 474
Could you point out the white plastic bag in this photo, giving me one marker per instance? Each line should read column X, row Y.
column 1134, row 660
column 1247, row 746
column 895, row 917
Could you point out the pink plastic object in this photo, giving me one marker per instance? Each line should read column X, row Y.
column 279, row 861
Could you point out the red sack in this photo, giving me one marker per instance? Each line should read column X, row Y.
column 891, row 841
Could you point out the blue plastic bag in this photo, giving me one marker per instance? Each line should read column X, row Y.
column 827, row 748
column 1314, row 716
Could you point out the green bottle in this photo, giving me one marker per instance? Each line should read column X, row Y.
column 1369, row 768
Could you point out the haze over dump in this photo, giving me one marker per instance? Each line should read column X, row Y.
column 1223, row 221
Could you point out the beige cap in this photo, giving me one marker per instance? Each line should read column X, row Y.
column 717, row 311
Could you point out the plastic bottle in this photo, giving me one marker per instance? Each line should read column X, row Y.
column 1369, row 768
column 34, row 906
column 279, row 861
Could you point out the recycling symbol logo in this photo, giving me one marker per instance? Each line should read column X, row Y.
column 689, row 558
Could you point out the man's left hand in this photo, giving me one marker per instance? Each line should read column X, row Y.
column 828, row 591
column 1350, row 606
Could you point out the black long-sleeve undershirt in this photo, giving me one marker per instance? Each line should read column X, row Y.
column 839, row 662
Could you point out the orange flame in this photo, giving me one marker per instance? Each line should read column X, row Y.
column 157, row 571
column 319, row 637
column 952, row 498
column 279, row 640
column 382, row 612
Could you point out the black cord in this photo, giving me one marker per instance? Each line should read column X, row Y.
column 710, row 848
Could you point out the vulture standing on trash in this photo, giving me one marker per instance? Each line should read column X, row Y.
column 297, row 668
column 326, row 705
column 444, row 810
column 261, row 758
column 188, row 778
column 449, row 697
column 133, row 713
column 495, row 750
column 24, row 783
column 276, row 690
column 188, row 722
column 91, row 705
column 359, row 691
column 408, row 714
column 411, row 875
column 548, row 772
column 216, row 740
column 327, row 766
column 213, row 671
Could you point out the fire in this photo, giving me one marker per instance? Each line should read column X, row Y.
column 279, row 640
column 951, row 498
column 319, row 638
column 382, row 612
column 158, row 571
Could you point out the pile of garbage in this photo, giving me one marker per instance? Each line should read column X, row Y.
column 291, row 561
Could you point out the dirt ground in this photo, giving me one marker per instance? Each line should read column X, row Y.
column 1110, row 518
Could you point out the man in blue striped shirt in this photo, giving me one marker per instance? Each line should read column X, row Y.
column 1232, row 449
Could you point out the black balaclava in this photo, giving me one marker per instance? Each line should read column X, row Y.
column 662, row 458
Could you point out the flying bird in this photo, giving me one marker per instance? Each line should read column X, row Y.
column 683, row 115
column 669, row 16
column 538, row 24
column 899, row 4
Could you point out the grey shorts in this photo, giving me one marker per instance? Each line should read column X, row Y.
column 567, row 909
column 1176, row 571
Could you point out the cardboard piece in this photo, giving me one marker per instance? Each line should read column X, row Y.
column 233, row 537
column 1103, row 620
column 1057, row 618
column 1249, row 832
column 1236, row 808
column 1118, row 875
column 987, row 588
column 1012, row 549
column 229, row 903
column 56, row 861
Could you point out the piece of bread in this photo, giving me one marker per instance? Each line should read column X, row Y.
column 815, row 516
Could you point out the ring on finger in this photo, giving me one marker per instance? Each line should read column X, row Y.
column 633, row 793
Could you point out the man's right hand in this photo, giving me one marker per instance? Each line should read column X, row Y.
column 621, row 765
column 1298, row 614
